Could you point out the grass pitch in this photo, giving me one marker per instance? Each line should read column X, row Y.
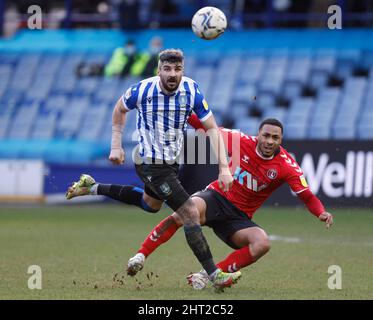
column 83, row 250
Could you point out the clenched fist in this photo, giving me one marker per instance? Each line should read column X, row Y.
column 117, row 156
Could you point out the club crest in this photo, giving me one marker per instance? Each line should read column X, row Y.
column 272, row 174
column 165, row 188
column 182, row 100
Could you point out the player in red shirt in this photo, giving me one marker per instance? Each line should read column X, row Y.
column 259, row 166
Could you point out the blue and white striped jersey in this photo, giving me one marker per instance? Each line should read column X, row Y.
column 161, row 118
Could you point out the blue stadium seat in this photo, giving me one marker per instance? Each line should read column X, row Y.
column 245, row 93
column 220, row 95
column 189, row 65
column 91, row 123
column 277, row 113
column 56, row 103
column 296, row 131
column 238, row 110
column 265, row 100
column 248, row 125
column 229, row 66
column 252, row 69
column 299, row 69
column 292, row 89
column 21, row 124
column 44, row 127
column 9, row 58
column 108, row 90
column 367, row 109
column 64, row 85
column 318, row 79
column 273, row 76
column 365, row 131
column 204, row 77
column 344, row 132
column 365, row 118
column 70, row 63
column 319, row 132
column 50, row 64
column 87, row 86
column 4, row 123
column 301, row 107
column 324, row 60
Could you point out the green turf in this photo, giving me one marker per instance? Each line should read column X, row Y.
column 81, row 248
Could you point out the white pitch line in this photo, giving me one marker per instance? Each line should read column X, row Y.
column 274, row 237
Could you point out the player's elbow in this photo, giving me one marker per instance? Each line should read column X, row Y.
column 119, row 107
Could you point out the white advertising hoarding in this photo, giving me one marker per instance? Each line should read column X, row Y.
column 21, row 179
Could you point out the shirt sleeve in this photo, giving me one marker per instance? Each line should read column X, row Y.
column 201, row 108
column 313, row 203
column 129, row 98
column 294, row 176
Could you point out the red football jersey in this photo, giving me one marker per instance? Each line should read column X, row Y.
column 256, row 177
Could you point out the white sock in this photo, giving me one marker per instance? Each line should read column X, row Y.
column 93, row 189
column 204, row 273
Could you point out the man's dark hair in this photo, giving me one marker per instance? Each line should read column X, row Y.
column 171, row 56
column 272, row 122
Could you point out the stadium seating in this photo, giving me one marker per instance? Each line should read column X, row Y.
column 318, row 93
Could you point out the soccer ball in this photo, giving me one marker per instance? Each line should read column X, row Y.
column 209, row 22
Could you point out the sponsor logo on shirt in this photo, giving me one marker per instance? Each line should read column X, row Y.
column 303, row 181
column 245, row 159
column 205, row 105
column 128, row 94
column 251, row 182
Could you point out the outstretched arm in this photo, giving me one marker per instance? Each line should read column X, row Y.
column 315, row 206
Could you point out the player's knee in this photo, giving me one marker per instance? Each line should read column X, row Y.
column 153, row 205
column 260, row 247
column 264, row 245
column 188, row 213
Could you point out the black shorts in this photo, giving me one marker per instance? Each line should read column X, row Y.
column 161, row 182
column 223, row 216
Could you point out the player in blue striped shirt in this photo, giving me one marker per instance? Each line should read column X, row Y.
column 163, row 104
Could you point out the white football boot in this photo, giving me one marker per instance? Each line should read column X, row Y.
column 135, row 264
column 81, row 187
column 198, row 280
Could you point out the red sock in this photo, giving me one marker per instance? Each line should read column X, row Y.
column 160, row 234
column 236, row 260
